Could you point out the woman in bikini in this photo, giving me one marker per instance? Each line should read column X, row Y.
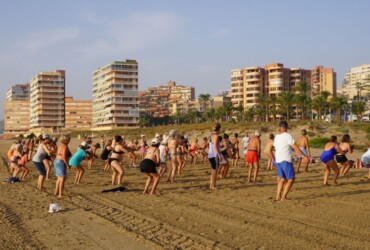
column 143, row 146
column 149, row 165
column 342, row 158
column 174, row 164
column 203, row 150
column 105, row 154
column 235, row 150
column 269, row 151
column 327, row 157
column 115, row 160
column 193, row 151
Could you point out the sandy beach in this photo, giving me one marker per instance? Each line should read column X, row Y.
column 186, row 214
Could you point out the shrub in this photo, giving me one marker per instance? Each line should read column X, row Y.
column 311, row 134
column 318, row 142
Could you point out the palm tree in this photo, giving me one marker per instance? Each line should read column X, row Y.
column 273, row 103
column 358, row 108
column 227, row 110
column 190, row 116
column 204, row 99
column 359, row 86
column 260, row 112
column 286, row 101
column 319, row 103
column 249, row 114
column 263, row 101
column 239, row 112
column 210, row 115
column 302, row 98
column 338, row 103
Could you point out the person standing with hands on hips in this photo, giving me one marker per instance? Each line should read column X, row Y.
column 283, row 143
column 214, row 155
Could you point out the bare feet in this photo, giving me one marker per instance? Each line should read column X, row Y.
column 285, row 199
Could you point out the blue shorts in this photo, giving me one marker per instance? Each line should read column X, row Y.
column 40, row 167
column 60, row 168
column 286, row 170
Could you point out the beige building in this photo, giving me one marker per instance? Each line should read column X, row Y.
column 16, row 116
column 273, row 79
column 357, row 75
column 162, row 101
column 248, row 83
column 17, row 109
column 115, row 95
column 47, row 97
column 78, row 113
column 219, row 101
column 323, row 79
column 18, row 92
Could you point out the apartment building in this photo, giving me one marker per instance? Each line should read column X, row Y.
column 273, row 79
column 357, row 76
column 323, row 79
column 17, row 109
column 47, row 97
column 166, row 100
column 18, row 92
column 115, row 95
column 78, row 114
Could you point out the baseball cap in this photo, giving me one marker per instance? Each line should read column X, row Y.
column 45, row 136
column 172, row 132
column 157, row 135
column 85, row 144
column 155, row 141
column 283, row 124
column 257, row 133
column 142, row 135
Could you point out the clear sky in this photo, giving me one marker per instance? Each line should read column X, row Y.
column 191, row 42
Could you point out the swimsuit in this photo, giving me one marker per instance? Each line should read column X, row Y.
column 252, row 156
column 328, row 155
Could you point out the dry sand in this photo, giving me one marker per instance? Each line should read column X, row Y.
column 187, row 215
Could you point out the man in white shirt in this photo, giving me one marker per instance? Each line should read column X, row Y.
column 284, row 143
column 245, row 143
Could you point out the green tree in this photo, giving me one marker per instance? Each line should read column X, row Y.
column 302, row 98
column 286, row 101
column 358, row 108
column 204, row 100
column 144, row 121
column 273, row 106
column 239, row 112
column 210, row 115
column 227, row 110
column 339, row 104
column 320, row 103
column 261, row 113
column 249, row 114
column 263, row 102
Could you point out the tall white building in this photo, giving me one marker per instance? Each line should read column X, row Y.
column 356, row 74
column 47, row 100
column 115, row 95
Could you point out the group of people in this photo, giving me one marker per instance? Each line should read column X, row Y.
column 169, row 154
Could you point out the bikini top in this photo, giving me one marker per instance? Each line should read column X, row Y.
column 117, row 152
column 152, row 153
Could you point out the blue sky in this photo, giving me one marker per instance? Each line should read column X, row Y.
column 191, row 42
